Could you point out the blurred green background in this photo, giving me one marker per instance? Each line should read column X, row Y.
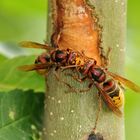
column 27, row 20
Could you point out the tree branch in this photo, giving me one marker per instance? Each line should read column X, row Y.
column 71, row 116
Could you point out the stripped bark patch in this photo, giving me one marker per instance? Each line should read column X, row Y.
column 76, row 27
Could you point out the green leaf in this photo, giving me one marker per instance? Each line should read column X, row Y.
column 12, row 78
column 20, row 115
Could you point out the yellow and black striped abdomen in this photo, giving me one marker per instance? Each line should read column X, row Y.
column 117, row 97
column 113, row 89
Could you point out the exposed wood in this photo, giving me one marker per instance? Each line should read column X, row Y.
column 76, row 27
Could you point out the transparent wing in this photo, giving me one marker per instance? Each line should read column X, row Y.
column 29, row 44
column 125, row 81
column 109, row 101
column 34, row 67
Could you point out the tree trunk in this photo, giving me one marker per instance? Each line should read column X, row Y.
column 71, row 116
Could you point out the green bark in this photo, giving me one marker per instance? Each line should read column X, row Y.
column 71, row 116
